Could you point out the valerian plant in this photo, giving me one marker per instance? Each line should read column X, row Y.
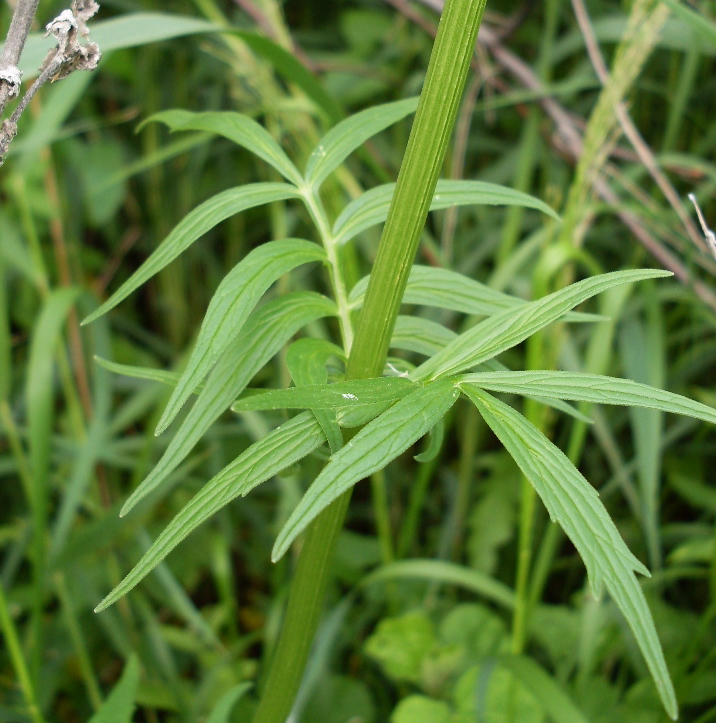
column 391, row 410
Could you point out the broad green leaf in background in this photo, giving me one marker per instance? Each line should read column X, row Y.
column 279, row 449
column 350, row 134
column 448, row 573
column 230, row 306
column 702, row 25
column 119, row 706
column 550, row 694
column 39, row 383
column 239, row 128
column 508, row 328
column 306, row 360
column 371, row 208
column 594, row 388
column 265, row 333
column 355, row 393
column 221, row 712
column 287, row 65
column 194, row 225
column 574, row 504
column 126, row 31
column 377, row 444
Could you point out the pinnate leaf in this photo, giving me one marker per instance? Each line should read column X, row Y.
column 377, row 444
column 508, row 328
column 279, row 449
column 230, row 306
column 265, row 333
column 194, row 225
column 575, row 505
column 239, row 128
column 350, row 134
column 371, row 208
column 590, row 388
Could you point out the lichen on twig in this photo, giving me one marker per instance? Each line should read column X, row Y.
column 67, row 56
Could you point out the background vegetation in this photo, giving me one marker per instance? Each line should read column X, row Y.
column 411, row 630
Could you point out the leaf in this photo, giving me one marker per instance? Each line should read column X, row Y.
column 350, row 134
column 355, row 393
column 508, row 328
column 371, row 208
column 233, row 301
column 422, row 336
column 426, row 337
column 448, row 573
column 40, row 384
column 435, row 442
column 293, row 71
column 379, row 442
column 239, row 129
column 306, row 360
column 266, row 331
column 555, row 702
column 705, row 27
column 221, row 712
column 573, row 502
column 202, row 219
column 279, row 449
column 119, row 706
column 593, row 388
column 445, row 289
column 127, row 31
column 147, row 373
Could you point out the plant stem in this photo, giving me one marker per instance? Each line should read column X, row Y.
column 435, row 117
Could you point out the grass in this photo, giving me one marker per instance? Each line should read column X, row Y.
column 449, row 577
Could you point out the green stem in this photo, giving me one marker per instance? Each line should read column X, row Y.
column 18, row 660
column 435, row 118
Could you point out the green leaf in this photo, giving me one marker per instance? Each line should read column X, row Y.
column 294, row 72
column 445, row 289
column 704, row 26
column 355, row 393
column 435, row 442
column 590, row 388
column 265, row 333
column 40, row 383
column 119, row 706
column 202, row 219
column 350, row 134
column 556, row 703
column 306, row 360
column 126, row 31
column 147, row 373
column 422, row 336
column 447, row 573
column 508, row 328
column 221, row 712
column 379, row 442
column 230, row 306
column 573, row 502
column 238, row 128
column 279, row 449
column 371, row 208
